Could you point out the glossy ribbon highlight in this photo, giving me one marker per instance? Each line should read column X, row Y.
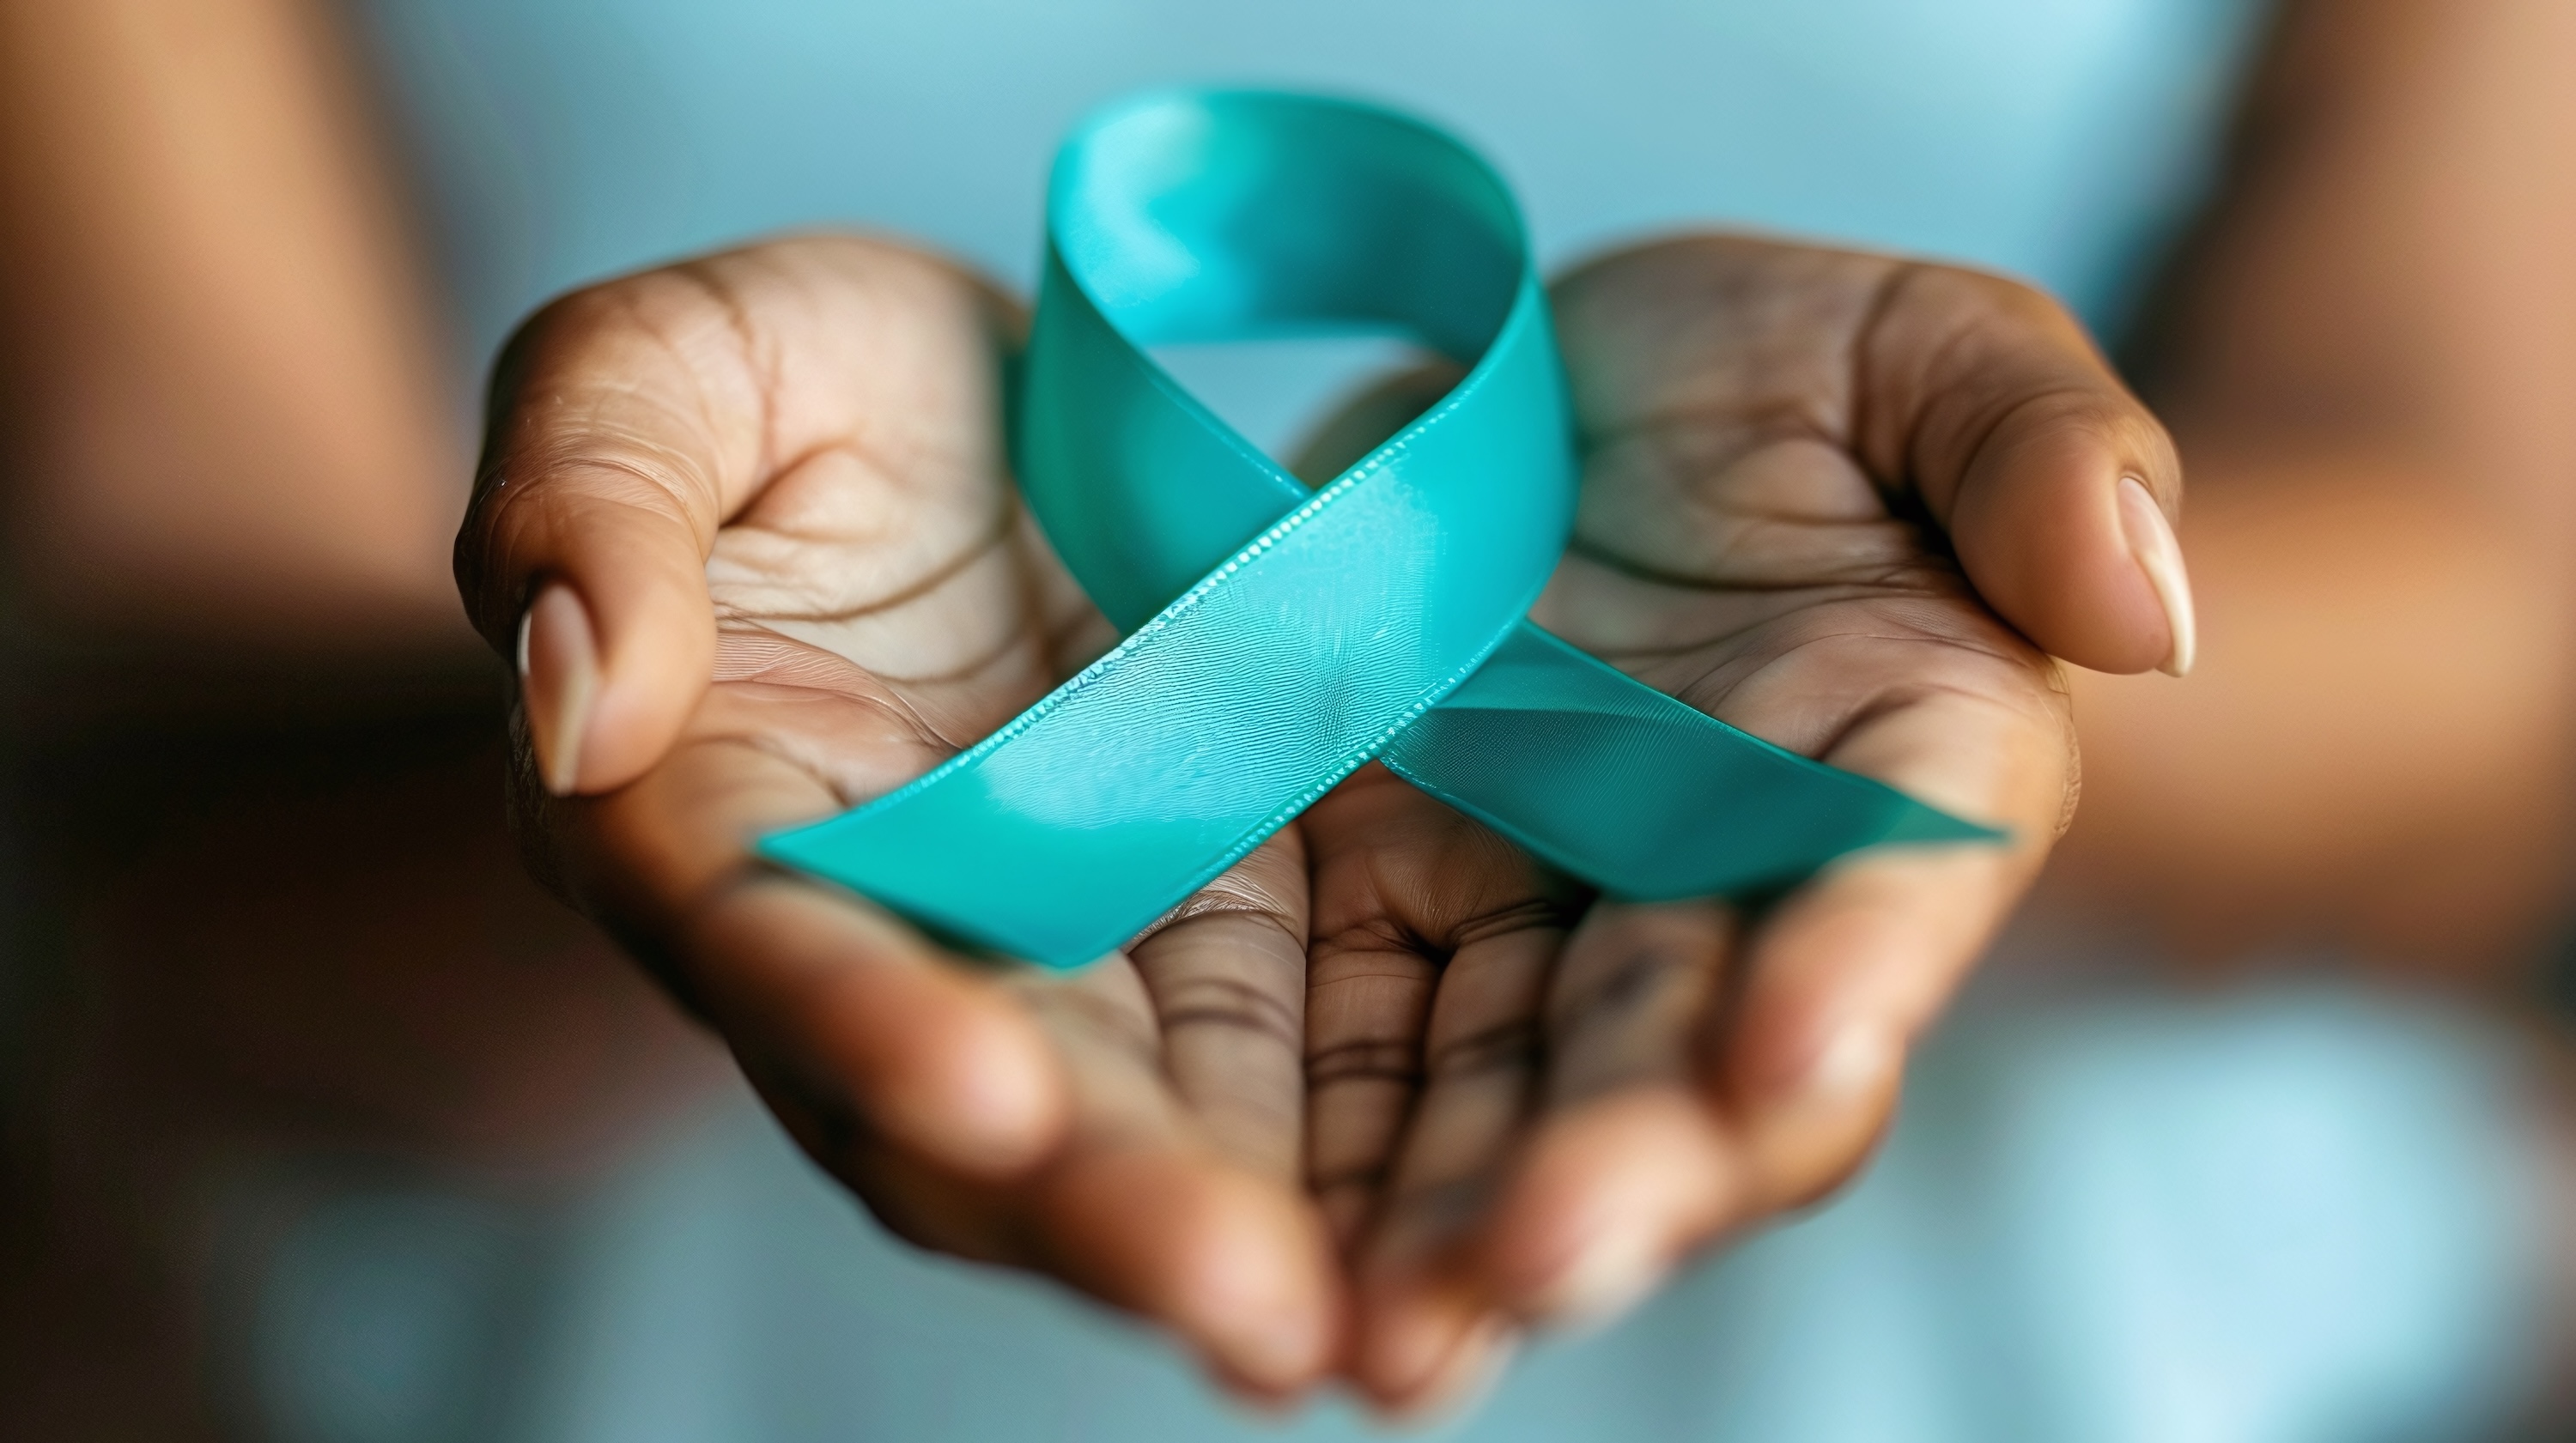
column 1279, row 638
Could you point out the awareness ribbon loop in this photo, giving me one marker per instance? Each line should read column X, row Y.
column 1278, row 638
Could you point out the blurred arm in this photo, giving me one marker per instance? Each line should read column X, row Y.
column 2369, row 365
column 255, row 807
column 222, row 418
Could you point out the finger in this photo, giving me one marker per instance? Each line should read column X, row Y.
column 1481, row 1059
column 1239, row 1267
column 1978, row 400
column 2058, row 489
column 1626, row 1165
column 1400, row 882
column 1843, row 975
column 1132, row 1209
column 1227, row 978
column 1481, row 1067
column 1411, row 899
column 1122, row 1198
column 1842, row 980
column 815, row 985
column 1142, row 1203
column 1629, row 1165
column 1628, row 1002
column 812, row 984
column 1142, row 1211
column 1369, row 984
column 1367, row 1002
column 630, row 421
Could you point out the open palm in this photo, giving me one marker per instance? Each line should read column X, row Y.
column 1527, row 1105
column 812, row 428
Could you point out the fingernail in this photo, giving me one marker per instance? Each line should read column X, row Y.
column 558, row 681
column 2159, row 555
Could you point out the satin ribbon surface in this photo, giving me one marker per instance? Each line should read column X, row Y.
column 1279, row 638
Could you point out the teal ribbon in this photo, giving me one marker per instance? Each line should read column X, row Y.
column 1278, row 638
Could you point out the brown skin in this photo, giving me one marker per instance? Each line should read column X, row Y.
column 232, row 478
column 226, row 411
column 790, row 455
column 263, row 894
column 1599, row 1093
column 2366, row 359
column 2366, row 364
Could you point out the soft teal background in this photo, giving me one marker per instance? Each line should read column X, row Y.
column 2061, row 139
column 2291, row 1217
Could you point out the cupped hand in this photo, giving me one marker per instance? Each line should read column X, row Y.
column 779, row 470
column 1852, row 505
column 747, row 526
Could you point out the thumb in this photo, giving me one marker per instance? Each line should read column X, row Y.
column 2057, row 488
column 606, row 474
column 616, row 644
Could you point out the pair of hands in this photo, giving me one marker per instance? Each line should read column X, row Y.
column 1387, row 1092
